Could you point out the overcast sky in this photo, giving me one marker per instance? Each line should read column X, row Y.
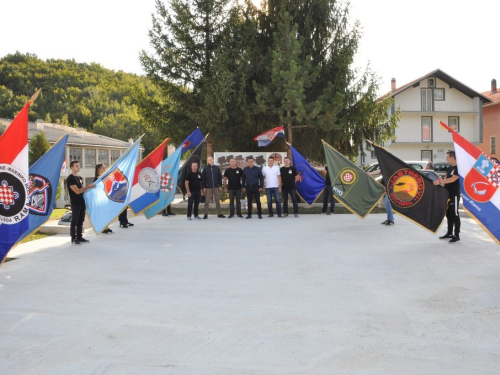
column 401, row 39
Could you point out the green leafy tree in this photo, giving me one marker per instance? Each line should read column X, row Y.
column 38, row 146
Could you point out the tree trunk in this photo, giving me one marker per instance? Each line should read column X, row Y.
column 289, row 129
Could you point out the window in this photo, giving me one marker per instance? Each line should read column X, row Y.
column 90, row 158
column 103, row 157
column 115, row 155
column 426, row 100
column 89, row 180
column 493, row 144
column 438, row 94
column 432, row 82
column 426, row 155
column 426, row 129
column 75, row 154
column 454, row 123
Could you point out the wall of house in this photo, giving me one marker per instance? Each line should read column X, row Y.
column 491, row 120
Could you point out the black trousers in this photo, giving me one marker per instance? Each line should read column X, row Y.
column 122, row 218
column 232, row 195
column 253, row 192
column 453, row 216
column 293, row 195
column 77, row 219
column 194, row 199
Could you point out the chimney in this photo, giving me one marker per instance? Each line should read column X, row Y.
column 80, row 132
column 493, row 86
column 131, row 141
column 393, row 84
column 39, row 123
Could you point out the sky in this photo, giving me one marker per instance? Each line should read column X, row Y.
column 401, row 39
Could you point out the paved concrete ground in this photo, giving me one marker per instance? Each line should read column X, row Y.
column 313, row 295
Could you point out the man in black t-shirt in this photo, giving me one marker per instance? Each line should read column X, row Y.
column 76, row 190
column 232, row 184
column 288, row 179
column 452, row 184
column 193, row 190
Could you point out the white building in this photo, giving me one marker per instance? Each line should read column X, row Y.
column 88, row 148
column 423, row 103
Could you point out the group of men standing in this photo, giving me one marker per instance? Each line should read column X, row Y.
column 249, row 180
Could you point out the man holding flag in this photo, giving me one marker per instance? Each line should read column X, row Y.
column 76, row 190
column 452, row 184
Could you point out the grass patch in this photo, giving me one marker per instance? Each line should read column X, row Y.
column 35, row 236
column 57, row 213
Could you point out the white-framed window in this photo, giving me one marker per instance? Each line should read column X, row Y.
column 427, row 100
column 115, row 155
column 75, row 154
column 426, row 155
column 493, row 144
column 103, row 157
column 454, row 123
column 439, row 94
column 426, row 122
column 89, row 180
column 90, row 154
column 431, row 82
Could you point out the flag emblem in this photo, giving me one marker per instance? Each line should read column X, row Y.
column 40, row 195
column 186, row 145
column 348, row 176
column 481, row 182
column 13, row 195
column 148, row 179
column 116, row 186
column 167, row 183
column 406, row 188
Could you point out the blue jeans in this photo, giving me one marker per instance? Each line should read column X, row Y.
column 293, row 195
column 388, row 208
column 328, row 194
column 269, row 193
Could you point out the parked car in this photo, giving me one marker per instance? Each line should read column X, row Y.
column 374, row 169
column 66, row 219
column 441, row 168
column 430, row 174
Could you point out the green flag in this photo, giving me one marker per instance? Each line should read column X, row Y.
column 352, row 187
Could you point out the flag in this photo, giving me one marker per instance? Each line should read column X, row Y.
column 267, row 137
column 64, row 167
column 310, row 183
column 43, row 183
column 169, row 176
column 352, row 186
column 146, row 185
column 193, row 140
column 186, row 167
column 14, row 182
column 479, row 184
column 111, row 193
column 411, row 194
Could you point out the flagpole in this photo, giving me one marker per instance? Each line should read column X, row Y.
column 35, row 95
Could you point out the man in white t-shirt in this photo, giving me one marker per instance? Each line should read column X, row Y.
column 272, row 176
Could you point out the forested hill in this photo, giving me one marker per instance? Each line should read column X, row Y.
column 77, row 94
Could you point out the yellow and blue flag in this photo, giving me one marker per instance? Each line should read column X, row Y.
column 43, row 182
column 168, row 183
column 310, row 183
column 111, row 193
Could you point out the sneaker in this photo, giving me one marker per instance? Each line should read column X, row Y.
column 197, row 217
column 240, row 215
column 204, row 217
column 296, row 215
column 82, row 240
column 170, row 213
column 454, row 239
column 76, row 242
column 285, row 215
column 110, row 231
column 221, row 216
column 130, row 224
column 270, row 215
column 248, row 217
column 445, row 237
column 322, row 212
column 384, row 222
column 389, row 222
column 328, row 213
column 260, row 216
column 280, row 216
column 230, row 216
column 189, row 217
column 105, row 231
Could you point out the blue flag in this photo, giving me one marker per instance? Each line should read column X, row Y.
column 43, row 183
column 168, row 183
column 193, row 140
column 310, row 183
column 111, row 193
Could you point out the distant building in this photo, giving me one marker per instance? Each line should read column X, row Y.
column 423, row 103
column 491, row 115
column 88, row 148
